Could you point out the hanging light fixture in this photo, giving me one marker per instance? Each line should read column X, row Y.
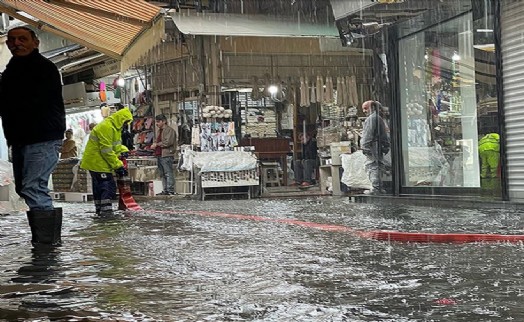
column 120, row 82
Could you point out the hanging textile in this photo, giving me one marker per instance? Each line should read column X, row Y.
column 313, row 96
column 255, row 92
column 348, row 92
column 340, row 92
column 354, row 90
column 304, row 99
column 329, row 90
column 320, row 89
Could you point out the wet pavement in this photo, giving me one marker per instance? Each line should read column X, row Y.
column 262, row 260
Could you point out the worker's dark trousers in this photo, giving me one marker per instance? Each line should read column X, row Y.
column 104, row 191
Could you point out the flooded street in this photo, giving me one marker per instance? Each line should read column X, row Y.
column 189, row 260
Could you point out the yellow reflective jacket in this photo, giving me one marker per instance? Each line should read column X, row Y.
column 105, row 143
column 490, row 142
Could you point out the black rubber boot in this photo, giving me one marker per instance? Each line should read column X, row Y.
column 46, row 227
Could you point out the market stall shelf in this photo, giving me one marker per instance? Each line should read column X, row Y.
column 228, row 181
column 226, row 173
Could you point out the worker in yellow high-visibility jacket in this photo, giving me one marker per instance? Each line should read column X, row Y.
column 489, row 151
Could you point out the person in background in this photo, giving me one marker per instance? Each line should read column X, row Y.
column 91, row 126
column 33, row 117
column 375, row 144
column 68, row 146
column 304, row 166
column 165, row 147
column 105, row 110
column 489, row 151
column 102, row 157
column 127, row 137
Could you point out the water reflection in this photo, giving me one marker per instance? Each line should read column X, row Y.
column 44, row 266
column 177, row 262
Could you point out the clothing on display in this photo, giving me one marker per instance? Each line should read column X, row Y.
column 79, row 123
column 217, row 136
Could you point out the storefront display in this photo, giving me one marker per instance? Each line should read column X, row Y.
column 142, row 128
column 441, row 104
column 79, row 123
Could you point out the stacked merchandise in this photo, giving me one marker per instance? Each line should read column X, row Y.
column 83, row 181
column 216, row 112
column 142, row 128
column 217, row 136
column 333, row 112
column 68, row 177
column 259, row 123
column 328, row 135
column 230, row 178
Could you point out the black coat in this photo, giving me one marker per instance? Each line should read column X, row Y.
column 31, row 103
column 309, row 150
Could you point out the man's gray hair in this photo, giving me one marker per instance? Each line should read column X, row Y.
column 31, row 31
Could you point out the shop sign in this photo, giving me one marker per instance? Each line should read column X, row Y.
column 110, row 67
column 74, row 95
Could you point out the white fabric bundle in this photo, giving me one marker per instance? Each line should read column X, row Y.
column 340, row 91
column 320, row 89
column 313, row 96
column 329, row 90
column 354, row 90
column 348, row 92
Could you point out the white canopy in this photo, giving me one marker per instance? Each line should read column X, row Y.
column 216, row 24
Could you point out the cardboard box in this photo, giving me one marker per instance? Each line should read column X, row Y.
column 338, row 148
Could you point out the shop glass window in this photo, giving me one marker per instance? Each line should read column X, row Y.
column 448, row 103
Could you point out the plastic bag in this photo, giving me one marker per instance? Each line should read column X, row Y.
column 10, row 201
column 355, row 175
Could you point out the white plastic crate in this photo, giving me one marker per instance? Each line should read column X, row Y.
column 78, row 196
column 56, row 195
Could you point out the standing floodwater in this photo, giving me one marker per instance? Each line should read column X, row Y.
column 262, row 260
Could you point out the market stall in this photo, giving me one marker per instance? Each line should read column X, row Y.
column 225, row 172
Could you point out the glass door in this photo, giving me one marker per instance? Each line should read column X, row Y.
column 447, row 79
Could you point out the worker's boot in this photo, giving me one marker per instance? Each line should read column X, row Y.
column 46, row 227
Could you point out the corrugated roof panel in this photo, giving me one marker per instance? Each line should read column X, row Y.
column 111, row 28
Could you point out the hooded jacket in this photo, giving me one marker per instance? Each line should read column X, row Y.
column 490, row 142
column 32, row 108
column 105, row 143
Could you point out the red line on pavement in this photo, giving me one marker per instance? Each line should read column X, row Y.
column 377, row 235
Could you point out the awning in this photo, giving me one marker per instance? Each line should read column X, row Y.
column 217, row 24
column 344, row 8
column 123, row 30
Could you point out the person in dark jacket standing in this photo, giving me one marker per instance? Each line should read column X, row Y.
column 33, row 118
column 304, row 167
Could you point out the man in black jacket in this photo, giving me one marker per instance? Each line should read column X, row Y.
column 33, row 117
column 304, row 167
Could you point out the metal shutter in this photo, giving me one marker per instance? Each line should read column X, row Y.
column 512, row 23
